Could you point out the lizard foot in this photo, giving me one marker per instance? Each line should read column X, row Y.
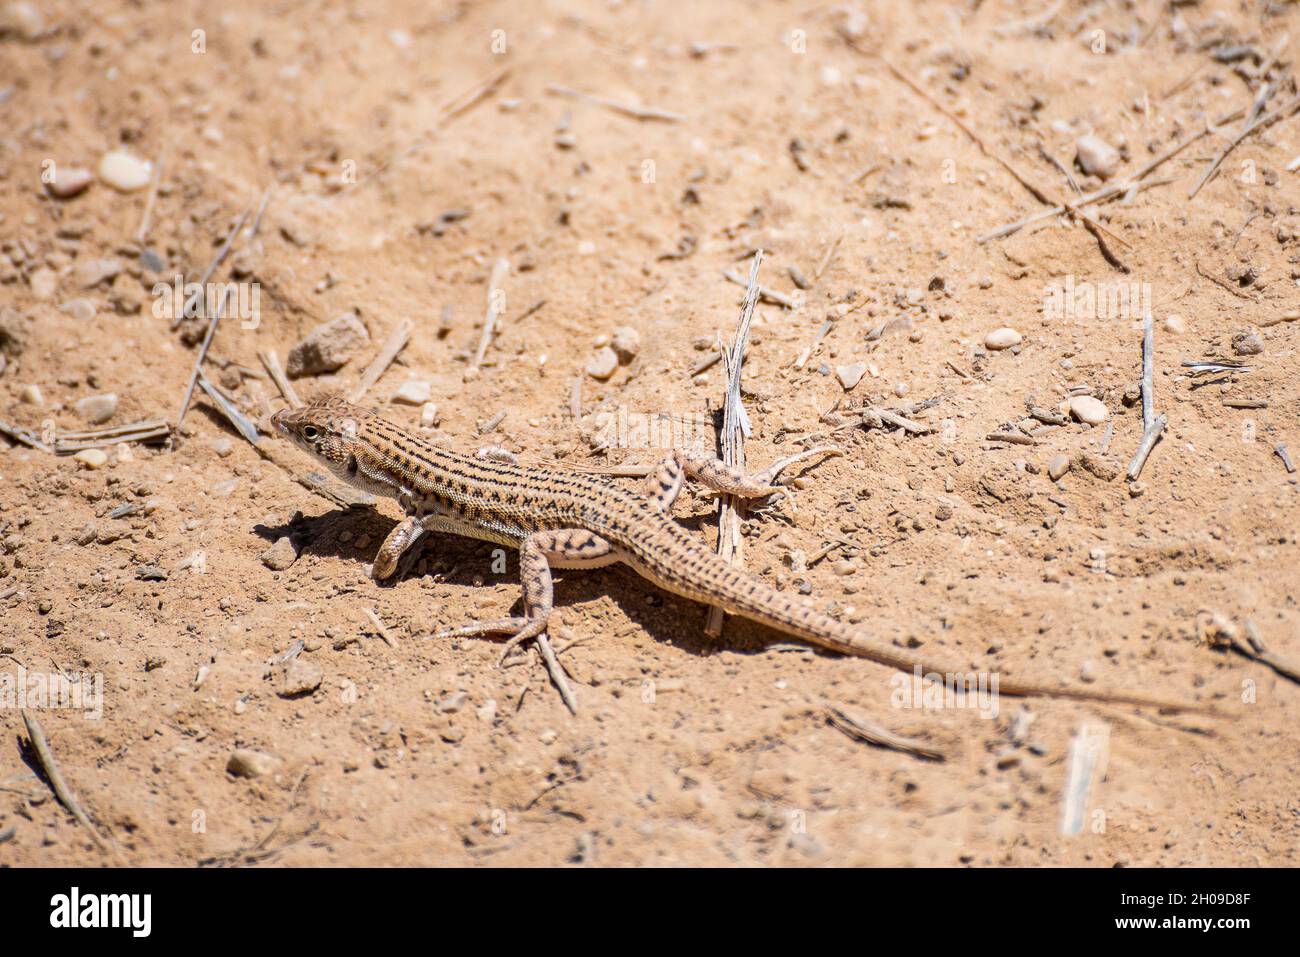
column 519, row 629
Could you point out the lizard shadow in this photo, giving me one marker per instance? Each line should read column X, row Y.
column 355, row 533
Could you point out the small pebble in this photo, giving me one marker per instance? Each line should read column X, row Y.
column 281, row 555
column 92, row 458
column 429, row 415
column 1096, row 156
column 850, row 375
column 152, row 260
column 603, row 363
column 1175, row 325
column 328, row 347
column 69, row 182
column 247, row 763
column 1003, row 338
column 91, row 272
column 23, row 19
column 82, row 310
column 626, row 343
column 97, row 409
column 1058, row 466
column 44, row 283
column 414, row 392
column 124, row 172
column 31, row 395
column 1247, row 343
column 1087, row 409
column 301, row 676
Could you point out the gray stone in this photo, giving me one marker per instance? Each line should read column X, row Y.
column 850, row 375
column 97, row 409
column 301, row 677
column 91, row 272
column 328, row 347
column 1247, row 343
column 1096, row 156
column 281, row 555
column 79, row 309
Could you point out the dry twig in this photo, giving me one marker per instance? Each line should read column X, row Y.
column 395, row 343
column 636, row 112
column 735, row 427
column 41, row 748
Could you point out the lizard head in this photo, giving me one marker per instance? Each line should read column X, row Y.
column 326, row 428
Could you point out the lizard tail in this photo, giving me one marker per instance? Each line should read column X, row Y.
column 742, row 594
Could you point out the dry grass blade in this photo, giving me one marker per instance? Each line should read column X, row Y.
column 735, row 427
column 227, row 408
column 203, row 352
column 394, row 344
column 271, row 361
column 495, row 301
column 860, row 729
column 636, row 112
column 1253, row 122
column 41, row 749
column 217, row 260
column 152, row 430
column 24, row 436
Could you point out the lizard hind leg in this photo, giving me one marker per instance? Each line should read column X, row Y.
column 664, row 484
column 562, row 548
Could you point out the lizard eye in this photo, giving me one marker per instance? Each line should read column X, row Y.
column 310, row 433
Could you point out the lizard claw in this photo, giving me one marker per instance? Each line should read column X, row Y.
column 519, row 629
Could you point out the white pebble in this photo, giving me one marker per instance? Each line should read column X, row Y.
column 92, row 458
column 1096, row 156
column 1087, row 409
column 23, row 19
column 69, row 181
column 1175, row 325
column 125, row 172
column 429, row 415
column 603, row 363
column 626, row 342
column 414, row 392
column 850, row 375
column 1003, row 338
column 44, row 283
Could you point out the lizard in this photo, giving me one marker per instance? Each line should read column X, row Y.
column 560, row 518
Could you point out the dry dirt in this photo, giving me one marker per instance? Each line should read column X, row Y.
column 686, row 749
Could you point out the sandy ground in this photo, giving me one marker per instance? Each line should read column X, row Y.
column 361, row 118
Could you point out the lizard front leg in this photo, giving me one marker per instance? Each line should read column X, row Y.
column 664, row 484
column 564, row 548
column 400, row 541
